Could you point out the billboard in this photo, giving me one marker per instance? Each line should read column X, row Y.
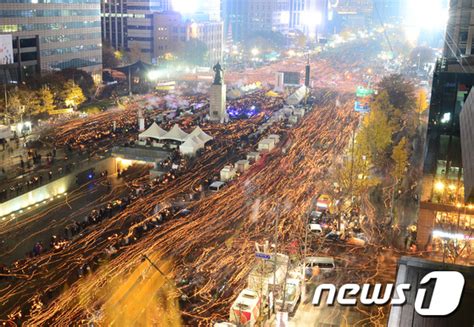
column 6, row 49
column 291, row 78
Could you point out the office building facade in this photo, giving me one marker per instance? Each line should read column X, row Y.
column 349, row 14
column 55, row 34
column 467, row 147
column 459, row 40
column 114, row 23
column 443, row 207
column 309, row 16
column 171, row 31
column 234, row 15
column 246, row 17
column 150, row 29
column 268, row 15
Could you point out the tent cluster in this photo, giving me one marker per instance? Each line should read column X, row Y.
column 244, row 89
column 189, row 143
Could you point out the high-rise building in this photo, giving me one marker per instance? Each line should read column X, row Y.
column 149, row 29
column 460, row 29
column 171, row 31
column 208, row 10
column 235, row 15
column 467, row 147
column 308, row 16
column 268, row 15
column 140, row 26
column 246, row 17
column 444, row 209
column 114, row 23
column 52, row 35
column 389, row 11
column 350, row 13
column 442, row 206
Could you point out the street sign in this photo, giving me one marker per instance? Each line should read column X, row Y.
column 263, row 256
column 362, row 106
column 362, row 92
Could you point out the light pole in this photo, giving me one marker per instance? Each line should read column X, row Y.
column 305, row 249
column 352, row 165
column 6, row 93
column 161, row 273
column 277, row 222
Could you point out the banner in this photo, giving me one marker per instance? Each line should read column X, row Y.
column 6, row 49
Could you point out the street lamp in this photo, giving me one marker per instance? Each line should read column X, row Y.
column 439, row 186
column 255, row 52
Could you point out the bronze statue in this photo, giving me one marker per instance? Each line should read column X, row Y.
column 219, row 74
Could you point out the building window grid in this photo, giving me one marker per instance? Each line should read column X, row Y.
column 75, row 49
column 47, row 26
column 49, row 13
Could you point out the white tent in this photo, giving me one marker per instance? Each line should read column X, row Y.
column 191, row 145
column 201, row 135
column 5, row 132
column 298, row 96
column 234, row 94
column 153, row 132
column 176, row 134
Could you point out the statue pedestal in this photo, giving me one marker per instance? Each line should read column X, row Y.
column 217, row 108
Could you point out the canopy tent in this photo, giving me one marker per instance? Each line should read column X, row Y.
column 175, row 134
column 153, row 132
column 198, row 132
column 5, row 132
column 272, row 94
column 234, row 94
column 298, row 96
column 191, row 145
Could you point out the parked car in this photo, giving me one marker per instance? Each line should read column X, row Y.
column 316, row 229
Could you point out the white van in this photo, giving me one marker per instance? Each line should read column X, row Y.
column 216, row 186
column 323, row 265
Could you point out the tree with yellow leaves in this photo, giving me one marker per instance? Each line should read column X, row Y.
column 400, row 155
column 421, row 102
column 46, row 99
column 72, row 94
column 382, row 103
column 354, row 173
column 375, row 137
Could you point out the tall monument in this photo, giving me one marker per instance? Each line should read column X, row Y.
column 217, row 110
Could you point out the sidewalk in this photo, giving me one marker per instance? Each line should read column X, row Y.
column 24, row 180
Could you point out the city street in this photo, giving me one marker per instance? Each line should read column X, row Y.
column 201, row 147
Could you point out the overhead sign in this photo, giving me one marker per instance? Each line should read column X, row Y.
column 6, row 49
column 263, row 256
column 363, row 92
